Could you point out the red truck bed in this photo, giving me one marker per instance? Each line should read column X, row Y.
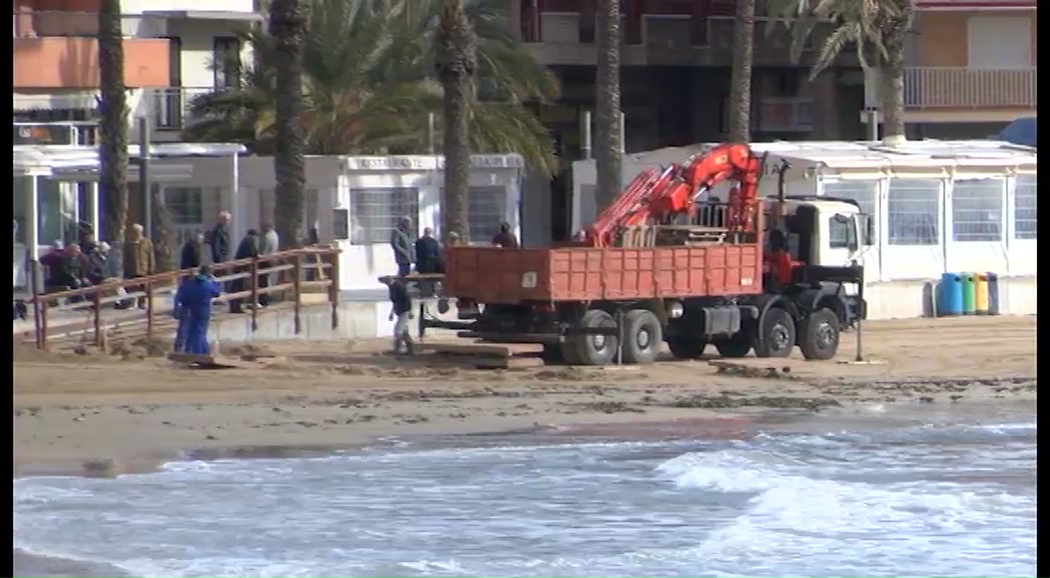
column 509, row 276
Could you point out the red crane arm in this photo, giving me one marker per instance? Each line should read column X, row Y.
column 657, row 194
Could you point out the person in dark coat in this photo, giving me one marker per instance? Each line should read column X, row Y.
column 247, row 249
column 428, row 253
column 218, row 239
column 190, row 256
column 505, row 238
column 195, row 296
column 404, row 248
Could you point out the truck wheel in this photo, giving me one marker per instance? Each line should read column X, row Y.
column 595, row 349
column 642, row 336
column 777, row 337
column 820, row 335
column 687, row 347
column 739, row 345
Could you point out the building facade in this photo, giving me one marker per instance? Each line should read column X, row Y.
column 172, row 51
column 971, row 67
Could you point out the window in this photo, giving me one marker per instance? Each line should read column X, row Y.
column 226, row 56
column 841, row 234
column 977, row 210
column 864, row 192
column 913, row 211
column 374, row 213
column 486, row 210
column 186, row 204
column 1025, row 207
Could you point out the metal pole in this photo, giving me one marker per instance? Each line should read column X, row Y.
column 873, row 124
column 623, row 133
column 585, row 135
column 431, row 132
column 860, row 319
column 145, row 184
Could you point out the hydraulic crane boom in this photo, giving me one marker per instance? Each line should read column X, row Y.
column 658, row 195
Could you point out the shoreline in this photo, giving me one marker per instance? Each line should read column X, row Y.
column 103, row 415
column 713, row 425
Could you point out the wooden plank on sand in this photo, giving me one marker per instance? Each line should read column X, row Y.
column 504, row 362
column 496, row 350
column 201, row 361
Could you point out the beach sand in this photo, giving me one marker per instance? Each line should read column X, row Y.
column 105, row 415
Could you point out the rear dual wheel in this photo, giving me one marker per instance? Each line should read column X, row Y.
column 642, row 335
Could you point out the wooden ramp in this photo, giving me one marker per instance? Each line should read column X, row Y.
column 488, row 355
column 216, row 361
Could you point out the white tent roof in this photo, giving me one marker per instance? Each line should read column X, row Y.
column 49, row 157
column 864, row 155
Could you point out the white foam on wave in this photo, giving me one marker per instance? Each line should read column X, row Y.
column 791, row 515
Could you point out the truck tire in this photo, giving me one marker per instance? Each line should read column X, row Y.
column 642, row 336
column 777, row 336
column 820, row 335
column 593, row 349
column 686, row 347
column 739, row 345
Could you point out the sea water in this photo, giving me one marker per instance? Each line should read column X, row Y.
column 920, row 500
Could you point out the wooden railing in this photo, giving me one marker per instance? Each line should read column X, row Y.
column 970, row 88
column 296, row 271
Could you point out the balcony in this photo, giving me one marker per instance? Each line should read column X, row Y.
column 171, row 106
column 951, row 88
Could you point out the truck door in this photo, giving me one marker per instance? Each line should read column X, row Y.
column 803, row 237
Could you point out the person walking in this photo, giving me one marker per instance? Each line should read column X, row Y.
column 401, row 309
column 218, row 238
column 247, row 249
column 190, row 256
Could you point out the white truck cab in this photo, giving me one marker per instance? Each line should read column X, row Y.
column 823, row 231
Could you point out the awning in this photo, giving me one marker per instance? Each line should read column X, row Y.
column 1020, row 132
column 206, row 15
column 75, row 100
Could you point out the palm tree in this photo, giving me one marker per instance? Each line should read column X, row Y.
column 607, row 144
column 740, row 83
column 877, row 29
column 456, row 63
column 370, row 81
column 288, row 28
column 113, row 126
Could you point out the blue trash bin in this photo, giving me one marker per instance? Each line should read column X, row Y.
column 950, row 295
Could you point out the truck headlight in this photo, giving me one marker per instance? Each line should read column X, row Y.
column 675, row 309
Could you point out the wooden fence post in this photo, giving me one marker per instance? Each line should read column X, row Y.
column 254, row 271
column 297, row 292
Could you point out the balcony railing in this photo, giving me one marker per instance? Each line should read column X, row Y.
column 30, row 23
column 171, row 106
column 970, row 88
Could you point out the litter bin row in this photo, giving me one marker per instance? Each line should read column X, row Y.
column 968, row 293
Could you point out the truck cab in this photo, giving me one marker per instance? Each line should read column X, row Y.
column 823, row 231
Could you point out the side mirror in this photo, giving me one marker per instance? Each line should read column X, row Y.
column 866, row 229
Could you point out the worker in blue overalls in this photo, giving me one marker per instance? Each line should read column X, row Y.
column 193, row 301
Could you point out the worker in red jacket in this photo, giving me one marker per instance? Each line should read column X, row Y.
column 779, row 263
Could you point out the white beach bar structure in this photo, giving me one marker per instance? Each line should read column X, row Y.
column 937, row 207
column 56, row 186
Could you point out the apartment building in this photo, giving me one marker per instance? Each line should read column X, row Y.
column 169, row 50
column 675, row 81
column 971, row 67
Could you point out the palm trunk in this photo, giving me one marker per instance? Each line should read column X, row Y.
column 163, row 234
column 457, row 59
column 740, row 82
column 607, row 146
column 891, row 92
column 288, row 28
column 113, row 128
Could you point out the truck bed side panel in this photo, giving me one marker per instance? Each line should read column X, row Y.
column 493, row 275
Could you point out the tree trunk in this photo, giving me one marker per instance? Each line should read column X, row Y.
column 113, row 129
column 740, row 82
column 891, row 91
column 456, row 61
column 163, row 234
column 288, row 28
column 607, row 145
